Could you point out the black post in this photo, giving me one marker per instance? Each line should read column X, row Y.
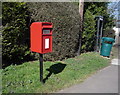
column 97, row 38
column 41, row 67
column 101, row 33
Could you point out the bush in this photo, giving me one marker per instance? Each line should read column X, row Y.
column 88, row 35
column 15, row 43
column 66, row 21
column 109, row 33
column 17, row 18
column 91, row 10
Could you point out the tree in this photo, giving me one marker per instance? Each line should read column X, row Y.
column 94, row 9
column 81, row 9
column 88, row 35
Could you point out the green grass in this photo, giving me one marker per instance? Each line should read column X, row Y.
column 60, row 74
column 0, row 82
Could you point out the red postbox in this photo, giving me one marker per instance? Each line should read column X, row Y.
column 41, row 37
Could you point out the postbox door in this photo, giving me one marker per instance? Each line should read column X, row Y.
column 47, row 44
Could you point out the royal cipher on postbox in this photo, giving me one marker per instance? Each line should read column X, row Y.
column 41, row 37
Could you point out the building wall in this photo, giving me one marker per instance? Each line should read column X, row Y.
column 117, row 36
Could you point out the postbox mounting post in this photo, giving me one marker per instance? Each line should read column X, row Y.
column 41, row 67
column 41, row 41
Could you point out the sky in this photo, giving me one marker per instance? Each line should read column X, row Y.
column 115, row 6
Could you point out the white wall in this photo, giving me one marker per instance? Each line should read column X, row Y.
column 117, row 35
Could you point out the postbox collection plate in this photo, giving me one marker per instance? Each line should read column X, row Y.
column 47, row 44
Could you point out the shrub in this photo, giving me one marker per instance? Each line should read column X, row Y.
column 88, row 35
column 66, row 21
column 15, row 43
column 18, row 16
column 109, row 33
column 91, row 10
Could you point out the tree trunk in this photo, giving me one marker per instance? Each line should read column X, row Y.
column 81, row 9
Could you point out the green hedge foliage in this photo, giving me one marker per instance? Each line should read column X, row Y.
column 17, row 18
column 66, row 20
column 91, row 10
column 88, row 35
column 15, row 43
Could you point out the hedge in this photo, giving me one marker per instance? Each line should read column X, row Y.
column 91, row 10
column 17, row 18
column 15, row 43
column 88, row 35
column 66, row 20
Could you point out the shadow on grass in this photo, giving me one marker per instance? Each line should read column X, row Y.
column 54, row 69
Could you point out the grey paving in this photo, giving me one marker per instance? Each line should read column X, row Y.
column 115, row 61
column 104, row 81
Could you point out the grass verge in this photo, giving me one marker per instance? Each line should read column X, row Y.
column 57, row 75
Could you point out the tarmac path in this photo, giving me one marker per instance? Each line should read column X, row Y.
column 104, row 81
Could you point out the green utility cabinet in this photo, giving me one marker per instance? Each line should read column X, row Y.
column 106, row 46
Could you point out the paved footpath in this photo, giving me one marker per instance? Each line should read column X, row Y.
column 104, row 81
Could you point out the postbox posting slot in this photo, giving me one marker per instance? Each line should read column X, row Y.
column 46, row 24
